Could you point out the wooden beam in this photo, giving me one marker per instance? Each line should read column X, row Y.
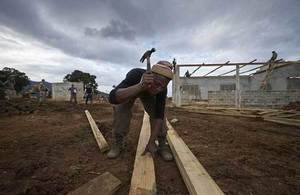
column 241, row 63
column 237, row 90
column 143, row 176
column 195, row 70
column 229, row 64
column 272, row 114
column 105, row 184
column 196, row 178
column 252, row 69
column 285, row 121
column 216, row 69
column 227, row 72
column 264, row 112
column 212, row 71
column 289, row 115
column 236, row 66
column 103, row 145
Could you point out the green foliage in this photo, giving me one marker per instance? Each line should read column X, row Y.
column 20, row 78
column 79, row 76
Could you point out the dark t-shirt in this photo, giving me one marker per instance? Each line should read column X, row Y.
column 89, row 90
column 73, row 90
column 133, row 77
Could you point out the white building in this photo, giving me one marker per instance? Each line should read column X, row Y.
column 60, row 91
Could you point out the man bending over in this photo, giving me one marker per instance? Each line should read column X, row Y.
column 151, row 88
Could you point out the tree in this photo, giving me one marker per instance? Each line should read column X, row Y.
column 20, row 78
column 79, row 76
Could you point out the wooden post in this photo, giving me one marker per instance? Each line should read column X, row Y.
column 174, row 100
column 177, row 87
column 143, row 176
column 237, row 88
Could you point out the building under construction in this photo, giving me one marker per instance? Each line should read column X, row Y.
column 254, row 84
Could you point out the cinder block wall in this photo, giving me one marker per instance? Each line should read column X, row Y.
column 60, row 91
column 254, row 98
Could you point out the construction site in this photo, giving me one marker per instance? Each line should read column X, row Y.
column 233, row 135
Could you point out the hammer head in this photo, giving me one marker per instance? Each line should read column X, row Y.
column 147, row 54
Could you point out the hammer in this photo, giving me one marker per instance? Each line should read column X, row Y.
column 147, row 56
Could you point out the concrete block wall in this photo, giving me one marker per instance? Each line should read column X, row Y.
column 254, row 98
column 225, row 98
column 212, row 83
column 60, row 91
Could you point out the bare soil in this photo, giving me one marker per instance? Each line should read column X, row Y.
column 243, row 155
column 50, row 149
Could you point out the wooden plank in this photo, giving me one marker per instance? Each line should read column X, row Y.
column 284, row 121
column 103, row 145
column 196, row 178
column 105, row 184
column 212, row 71
column 275, row 113
column 143, row 176
column 267, row 112
column 217, row 64
column 252, row 69
column 289, row 115
column 242, row 65
column 220, row 113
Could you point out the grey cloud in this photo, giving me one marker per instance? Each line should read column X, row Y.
column 26, row 18
column 92, row 32
column 255, row 25
column 117, row 32
column 115, row 29
column 118, row 29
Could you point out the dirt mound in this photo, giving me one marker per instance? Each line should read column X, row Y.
column 292, row 106
column 17, row 106
column 105, row 126
column 21, row 106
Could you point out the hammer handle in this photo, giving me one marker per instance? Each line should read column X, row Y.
column 148, row 64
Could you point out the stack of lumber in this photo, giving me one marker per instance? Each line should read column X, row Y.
column 287, row 117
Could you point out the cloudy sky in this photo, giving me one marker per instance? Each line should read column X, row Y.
column 50, row 38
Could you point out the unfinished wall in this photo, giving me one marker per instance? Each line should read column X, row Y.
column 211, row 83
column 60, row 91
column 254, row 98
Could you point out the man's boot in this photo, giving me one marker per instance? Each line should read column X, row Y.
column 116, row 148
column 164, row 150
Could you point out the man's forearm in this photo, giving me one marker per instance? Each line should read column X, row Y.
column 124, row 94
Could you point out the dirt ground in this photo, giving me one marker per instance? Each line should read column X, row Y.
column 50, row 149
column 243, row 155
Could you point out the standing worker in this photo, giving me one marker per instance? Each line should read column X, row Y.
column 274, row 56
column 88, row 94
column 151, row 87
column 73, row 94
column 10, row 91
column 42, row 91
